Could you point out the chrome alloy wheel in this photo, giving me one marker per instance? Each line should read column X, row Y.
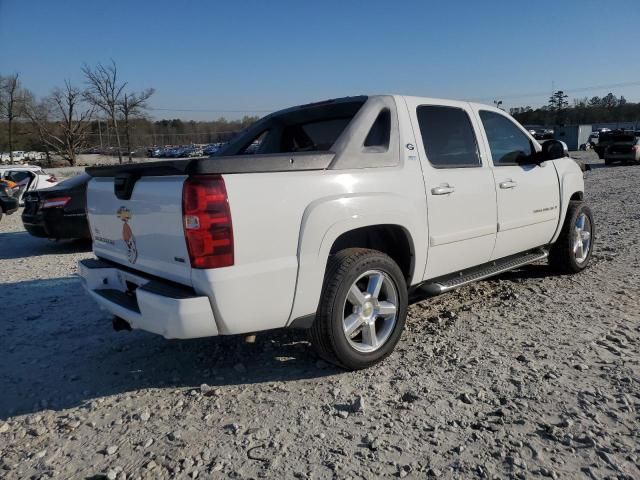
column 370, row 311
column 582, row 238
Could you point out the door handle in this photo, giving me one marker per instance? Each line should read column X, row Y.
column 443, row 189
column 508, row 184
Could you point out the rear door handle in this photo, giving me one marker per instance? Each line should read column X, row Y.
column 508, row 184
column 443, row 189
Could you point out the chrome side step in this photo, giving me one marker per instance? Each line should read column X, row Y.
column 449, row 282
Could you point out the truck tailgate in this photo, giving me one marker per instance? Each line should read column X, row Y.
column 144, row 232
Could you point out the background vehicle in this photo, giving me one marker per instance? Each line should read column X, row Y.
column 28, row 177
column 539, row 132
column 8, row 203
column 58, row 212
column 605, row 138
column 344, row 210
column 623, row 147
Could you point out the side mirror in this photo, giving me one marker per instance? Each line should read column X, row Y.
column 552, row 150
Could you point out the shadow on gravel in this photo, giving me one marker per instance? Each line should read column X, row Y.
column 59, row 351
column 527, row 272
column 23, row 245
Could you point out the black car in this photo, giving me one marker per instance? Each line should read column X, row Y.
column 58, row 212
column 8, row 203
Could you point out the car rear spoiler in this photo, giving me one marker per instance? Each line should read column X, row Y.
column 259, row 163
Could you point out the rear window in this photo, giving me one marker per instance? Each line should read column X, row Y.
column 312, row 136
column 18, row 176
column 75, row 181
column 309, row 128
column 624, row 138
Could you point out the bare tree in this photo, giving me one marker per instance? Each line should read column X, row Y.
column 133, row 105
column 61, row 120
column 10, row 106
column 105, row 93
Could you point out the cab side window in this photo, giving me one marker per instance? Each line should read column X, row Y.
column 448, row 137
column 509, row 145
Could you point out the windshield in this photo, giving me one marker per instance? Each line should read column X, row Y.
column 309, row 128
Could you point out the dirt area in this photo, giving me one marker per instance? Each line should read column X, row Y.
column 527, row 375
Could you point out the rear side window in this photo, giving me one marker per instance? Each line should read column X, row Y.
column 254, row 145
column 380, row 133
column 312, row 136
column 448, row 137
column 509, row 145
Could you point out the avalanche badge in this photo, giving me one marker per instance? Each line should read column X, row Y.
column 124, row 214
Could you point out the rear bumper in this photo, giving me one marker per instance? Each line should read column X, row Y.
column 148, row 304
column 57, row 224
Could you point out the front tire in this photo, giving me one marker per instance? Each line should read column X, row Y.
column 362, row 311
column 572, row 251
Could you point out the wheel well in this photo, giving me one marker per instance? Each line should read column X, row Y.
column 577, row 196
column 393, row 240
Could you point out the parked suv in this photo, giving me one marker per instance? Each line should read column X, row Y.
column 329, row 217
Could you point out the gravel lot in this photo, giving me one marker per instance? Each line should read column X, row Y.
column 527, row 375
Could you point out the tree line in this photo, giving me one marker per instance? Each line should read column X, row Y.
column 584, row 110
column 103, row 113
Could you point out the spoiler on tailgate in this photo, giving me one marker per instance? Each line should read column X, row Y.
column 303, row 161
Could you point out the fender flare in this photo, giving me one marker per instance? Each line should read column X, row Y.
column 571, row 182
column 326, row 219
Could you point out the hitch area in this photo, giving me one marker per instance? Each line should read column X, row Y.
column 120, row 324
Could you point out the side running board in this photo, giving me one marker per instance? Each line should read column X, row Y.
column 455, row 280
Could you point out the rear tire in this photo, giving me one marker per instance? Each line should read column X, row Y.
column 362, row 310
column 572, row 251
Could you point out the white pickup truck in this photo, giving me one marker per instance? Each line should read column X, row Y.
column 344, row 212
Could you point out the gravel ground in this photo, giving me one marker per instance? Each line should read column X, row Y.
column 526, row 375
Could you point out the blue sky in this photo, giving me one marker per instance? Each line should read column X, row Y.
column 263, row 55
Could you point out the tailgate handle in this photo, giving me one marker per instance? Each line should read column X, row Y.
column 123, row 185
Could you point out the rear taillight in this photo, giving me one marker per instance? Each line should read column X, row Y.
column 55, row 202
column 207, row 222
column 52, row 179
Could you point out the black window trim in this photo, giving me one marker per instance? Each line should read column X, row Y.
column 473, row 130
column 505, row 164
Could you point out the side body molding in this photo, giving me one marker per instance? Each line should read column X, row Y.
column 571, row 181
column 326, row 219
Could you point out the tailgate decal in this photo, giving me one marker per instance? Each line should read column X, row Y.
column 124, row 214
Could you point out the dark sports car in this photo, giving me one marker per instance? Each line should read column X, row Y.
column 58, row 212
